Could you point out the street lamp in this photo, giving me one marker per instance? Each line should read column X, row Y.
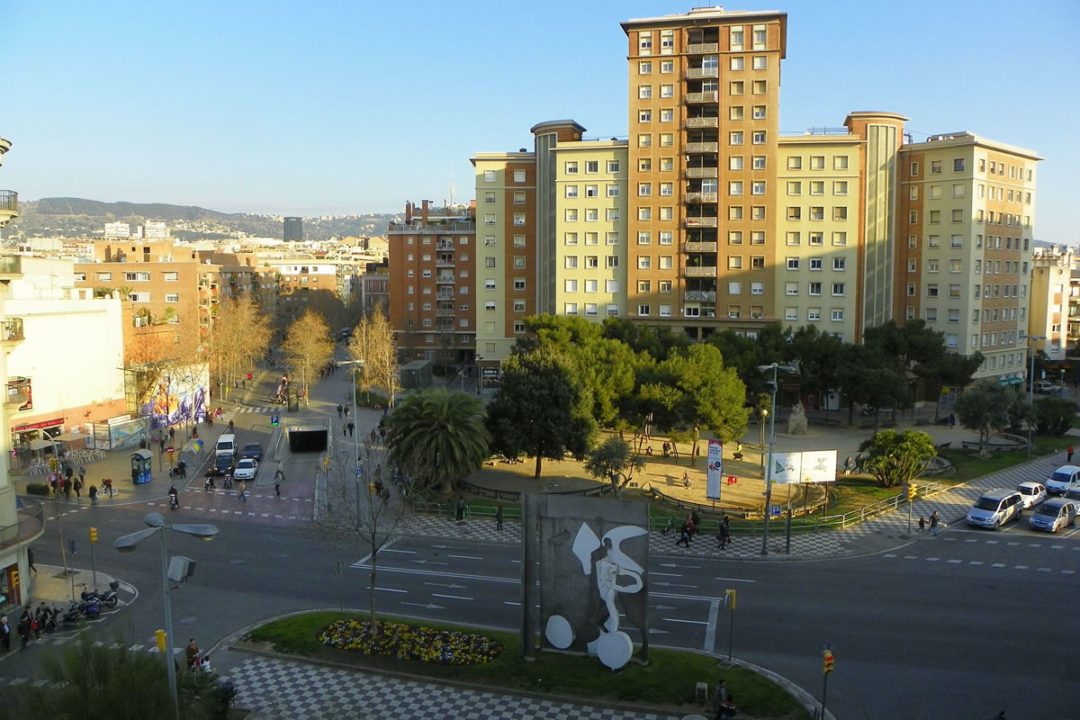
column 128, row 543
column 775, row 367
column 1031, row 387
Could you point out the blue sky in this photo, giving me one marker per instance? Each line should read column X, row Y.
column 348, row 107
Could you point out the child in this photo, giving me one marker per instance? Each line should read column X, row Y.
column 922, row 523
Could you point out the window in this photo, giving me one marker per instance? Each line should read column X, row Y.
column 570, row 308
column 613, row 166
column 735, row 212
column 172, row 297
column 667, row 66
column 760, row 87
column 666, row 237
column 666, row 262
column 644, row 92
column 611, row 238
column 958, row 215
column 839, row 213
column 489, row 219
column 794, row 163
column 612, row 214
column 759, row 162
column 592, row 191
column 759, row 137
column 104, row 277
column 736, row 38
column 837, row 315
column 737, row 87
column 794, row 187
column 645, row 42
column 759, row 112
column 519, row 219
column 958, row 165
column 839, row 187
column 644, row 237
column 519, row 176
column 792, row 263
column 757, row 237
column 838, row 289
column 817, row 212
column 570, row 262
column 956, row 241
column 489, row 284
column 571, row 169
column 644, row 116
column 644, row 213
column 734, row 237
column 570, row 286
column 757, row 187
column 170, row 276
column 932, row 290
column 817, row 187
column 817, row 162
column 519, row 306
column 734, row 287
column 667, row 115
column 591, row 309
column 735, row 138
column 571, row 191
column 571, row 215
column 591, row 262
column 914, row 170
column 757, row 262
column 813, row 314
column 667, row 91
column 666, row 189
column 644, row 189
column 735, row 187
column 793, row 237
column 735, row 112
column 591, row 286
column 519, row 283
column 489, row 176
column 592, row 238
column 817, row 238
column 644, row 140
column 643, row 310
column 814, row 288
column 611, row 262
column 759, row 37
column 137, row 276
column 913, row 217
column 734, row 262
column 791, row 313
column 139, row 297
column 644, row 286
column 935, row 167
column 958, row 190
column 757, row 212
column 519, row 241
column 913, row 192
column 794, row 212
column 644, row 67
column 956, row 265
column 735, row 162
column 839, row 264
column 791, row 288
column 761, row 62
column 737, row 62
column 816, row 263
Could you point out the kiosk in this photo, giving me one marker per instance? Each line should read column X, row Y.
column 140, row 466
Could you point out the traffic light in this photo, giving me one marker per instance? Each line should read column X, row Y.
column 828, row 660
column 159, row 640
column 93, row 534
column 912, row 491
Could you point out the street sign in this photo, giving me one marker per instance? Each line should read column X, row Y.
column 774, row 511
column 359, row 469
column 274, row 420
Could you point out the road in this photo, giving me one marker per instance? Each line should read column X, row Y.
column 957, row 626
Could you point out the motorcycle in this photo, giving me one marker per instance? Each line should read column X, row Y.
column 174, row 501
column 208, row 482
column 89, row 609
column 109, row 598
column 71, row 616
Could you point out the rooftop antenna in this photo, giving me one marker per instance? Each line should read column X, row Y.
column 451, row 203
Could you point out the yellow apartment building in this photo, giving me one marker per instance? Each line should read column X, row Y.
column 704, row 99
column 967, row 211
column 590, row 229
column 1048, row 314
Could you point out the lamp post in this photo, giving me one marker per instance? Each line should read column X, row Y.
column 128, row 543
column 1031, row 386
column 775, row 367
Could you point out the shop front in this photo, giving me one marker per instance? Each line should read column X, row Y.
column 32, row 440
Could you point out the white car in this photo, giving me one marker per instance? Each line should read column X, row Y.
column 246, row 469
column 1032, row 492
column 1063, row 479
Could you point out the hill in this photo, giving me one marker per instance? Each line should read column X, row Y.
column 79, row 217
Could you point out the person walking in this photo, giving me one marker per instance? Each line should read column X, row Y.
column 460, row 513
column 723, row 532
column 278, row 477
column 25, row 621
column 242, row 489
column 922, row 524
column 30, row 560
column 82, row 474
column 499, row 517
column 1068, row 454
column 77, row 486
column 5, row 633
column 41, row 616
column 720, row 697
column 934, row 520
column 352, row 428
column 340, row 409
column 686, row 533
column 92, row 494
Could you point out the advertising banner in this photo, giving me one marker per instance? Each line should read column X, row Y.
column 715, row 472
column 810, row 466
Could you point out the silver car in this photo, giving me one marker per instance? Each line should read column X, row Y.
column 1053, row 515
column 995, row 508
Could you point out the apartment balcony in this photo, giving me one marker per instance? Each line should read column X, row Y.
column 700, row 222
column 11, row 331
column 699, row 296
column 702, row 147
column 444, row 295
column 18, row 392
column 708, row 271
column 702, row 48
column 9, row 206
column 30, row 525
column 445, row 245
column 702, row 73
column 705, row 247
column 444, row 278
column 701, row 172
column 701, row 197
column 444, row 313
column 445, row 263
column 702, row 122
column 709, row 96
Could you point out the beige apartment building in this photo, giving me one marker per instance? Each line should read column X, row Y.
column 1049, row 308
column 431, row 268
column 967, row 209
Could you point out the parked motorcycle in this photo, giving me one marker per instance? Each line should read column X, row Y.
column 71, row 616
column 109, row 598
column 89, row 609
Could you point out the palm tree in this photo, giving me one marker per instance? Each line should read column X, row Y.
column 438, row 437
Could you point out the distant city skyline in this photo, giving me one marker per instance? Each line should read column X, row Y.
column 335, row 108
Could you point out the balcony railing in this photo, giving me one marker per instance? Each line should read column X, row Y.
column 702, row 48
column 18, row 391
column 699, row 296
column 435, row 227
column 445, row 278
column 10, row 265
column 704, row 271
column 702, row 147
column 701, row 172
column 9, row 201
column 696, row 222
column 709, row 96
column 30, row 526
column 702, row 72
column 702, row 122
column 699, row 247
column 11, row 330
column 701, row 197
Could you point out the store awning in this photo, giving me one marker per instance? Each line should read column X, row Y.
column 40, row 444
column 69, row 436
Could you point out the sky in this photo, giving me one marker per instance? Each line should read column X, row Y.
column 338, row 108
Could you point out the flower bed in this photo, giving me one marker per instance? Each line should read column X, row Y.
column 410, row 642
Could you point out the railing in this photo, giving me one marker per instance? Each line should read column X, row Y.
column 701, row 197
column 706, row 271
column 9, row 200
column 701, row 172
column 702, row 147
column 702, row 122
column 702, row 72
column 444, row 279
column 11, row 330
column 31, row 524
column 435, row 227
column 695, row 222
column 700, row 296
column 702, row 48
column 691, row 246
column 709, row 96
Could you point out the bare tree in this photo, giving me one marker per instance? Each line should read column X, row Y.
column 373, row 346
column 241, row 335
column 362, row 508
column 308, row 346
column 159, row 362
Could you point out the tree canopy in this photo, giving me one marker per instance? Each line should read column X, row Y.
column 897, row 458
column 987, row 409
column 308, row 347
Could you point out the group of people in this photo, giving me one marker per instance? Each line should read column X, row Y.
column 31, row 623
column 690, row 527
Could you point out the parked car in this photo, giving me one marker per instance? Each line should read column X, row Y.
column 246, row 469
column 1063, row 479
column 995, row 508
column 1074, row 496
column 1053, row 515
column 1033, row 493
column 253, row 451
column 1045, row 387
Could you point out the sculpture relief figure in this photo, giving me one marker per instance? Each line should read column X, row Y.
column 796, row 424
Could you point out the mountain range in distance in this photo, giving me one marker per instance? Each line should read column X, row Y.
column 79, row 217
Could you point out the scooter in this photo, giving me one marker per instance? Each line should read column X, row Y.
column 71, row 616
column 174, row 501
column 89, row 609
column 109, row 598
column 208, row 482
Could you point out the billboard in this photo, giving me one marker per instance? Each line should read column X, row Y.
column 714, row 470
column 810, row 466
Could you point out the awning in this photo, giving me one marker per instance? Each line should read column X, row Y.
column 69, row 436
column 40, row 444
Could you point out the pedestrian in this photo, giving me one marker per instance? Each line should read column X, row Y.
column 685, row 479
column 76, row 485
column 346, row 411
column 460, row 509
column 720, row 697
column 30, row 560
column 934, row 520
column 5, row 633
column 172, row 434
column 41, row 615
column 182, row 467
column 499, row 516
column 727, row 708
column 82, row 474
column 25, row 621
column 106, row 486
column 723, row 532
column 1069, row 454
column 66, row 487
column 374, row 436
column 278, row 477
column 922, row 524
column 738, row 451
column 339, row 410
column 344, row 430
column 92, row 493
column 191, row 653
column 686, row 533
column 242, row 489
column 161, row 445
column 849, row 465
column 669, row 527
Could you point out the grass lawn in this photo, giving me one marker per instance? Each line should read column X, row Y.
column 667, row 683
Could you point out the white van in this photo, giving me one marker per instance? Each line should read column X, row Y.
column 995, row 508
column 1063, row 479
column 226, row 445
